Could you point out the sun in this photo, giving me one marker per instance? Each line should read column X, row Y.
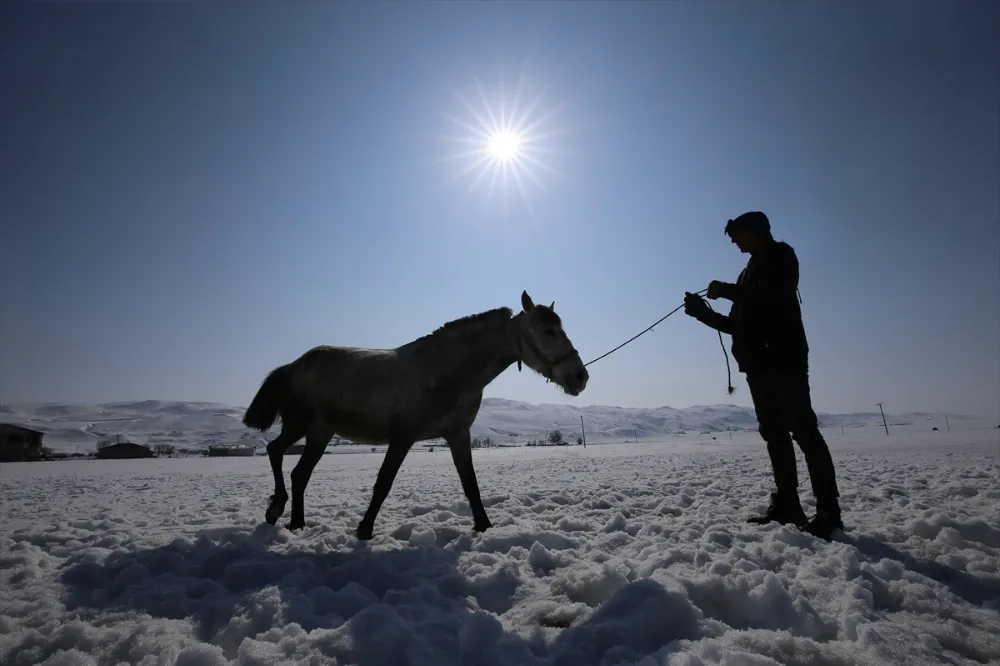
column 503, row 146
column 505, row 142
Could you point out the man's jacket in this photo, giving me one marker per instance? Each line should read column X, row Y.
column 765, row 320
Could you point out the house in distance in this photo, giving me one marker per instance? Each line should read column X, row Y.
column 19, row 444
column 239, row 449
column 106, row 450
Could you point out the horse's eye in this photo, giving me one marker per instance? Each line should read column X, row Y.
column 550, row 331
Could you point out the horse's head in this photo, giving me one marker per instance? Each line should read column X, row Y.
column 546, row 349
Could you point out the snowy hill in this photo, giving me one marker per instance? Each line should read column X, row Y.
column 195, row 425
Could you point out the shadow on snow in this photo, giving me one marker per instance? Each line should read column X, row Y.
column 977, row 590
column 409, row 605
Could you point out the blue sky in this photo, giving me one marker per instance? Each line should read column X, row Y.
column 194, row 195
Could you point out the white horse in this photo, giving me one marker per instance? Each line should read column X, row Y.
column 429, row 388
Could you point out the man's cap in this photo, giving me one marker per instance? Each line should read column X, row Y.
column 754, row 221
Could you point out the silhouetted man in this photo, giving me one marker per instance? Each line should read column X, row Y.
column 770, row 347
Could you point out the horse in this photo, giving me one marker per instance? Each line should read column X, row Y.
column 428, row 388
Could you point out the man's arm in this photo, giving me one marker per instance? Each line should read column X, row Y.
column 716, row 320
column 779, row 280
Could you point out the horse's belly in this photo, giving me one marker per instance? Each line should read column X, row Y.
column 431, row 419
column 358, row 422
column 418, row 420
column 378, row 426
column 360, row 430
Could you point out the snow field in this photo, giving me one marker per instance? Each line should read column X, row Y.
column 610, row 555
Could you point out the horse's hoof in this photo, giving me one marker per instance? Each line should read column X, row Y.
column 293, row 525
column 275, row 508
column 482, row 527
column 363, row 533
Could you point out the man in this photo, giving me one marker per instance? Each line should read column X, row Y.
column 769, row 345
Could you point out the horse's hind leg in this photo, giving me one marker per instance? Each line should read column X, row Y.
column 383, row 483
column 461, row 455
column 317, row 438
column 275, row 453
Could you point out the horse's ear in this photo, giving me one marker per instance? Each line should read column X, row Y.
column 526, row 302
column 553, row 306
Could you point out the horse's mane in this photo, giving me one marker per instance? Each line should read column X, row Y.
column 473, row 321
column 493, row 316
column 479, row 320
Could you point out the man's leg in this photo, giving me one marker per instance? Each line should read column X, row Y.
column 784, row 507
column 805, row 429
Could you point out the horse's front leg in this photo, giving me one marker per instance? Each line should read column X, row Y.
column 461, row 454
column 393, row 460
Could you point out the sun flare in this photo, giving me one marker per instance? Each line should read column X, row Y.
column 503, row 146
column 505, row 141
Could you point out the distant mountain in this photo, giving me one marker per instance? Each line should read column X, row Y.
column 195, row 425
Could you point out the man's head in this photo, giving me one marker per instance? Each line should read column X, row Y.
column 749, row 231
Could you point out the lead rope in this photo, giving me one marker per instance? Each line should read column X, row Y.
column 731, row 389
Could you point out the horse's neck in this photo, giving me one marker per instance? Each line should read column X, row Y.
column 486, row 354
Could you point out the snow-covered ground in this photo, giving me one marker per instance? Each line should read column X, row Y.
column 610, row 555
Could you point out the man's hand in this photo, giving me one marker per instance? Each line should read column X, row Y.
column 694, row 306
column 715, row 289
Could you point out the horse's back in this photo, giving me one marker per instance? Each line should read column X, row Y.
column 328, row 353
column 346, row 366
column 352, row 388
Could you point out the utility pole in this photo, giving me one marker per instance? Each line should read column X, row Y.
column 946, row 424
column 583, row 431
column 730, row 429
column 635, row 431
column 841, row 425
column 883, row 419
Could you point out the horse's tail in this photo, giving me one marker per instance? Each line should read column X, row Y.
column 264, row 407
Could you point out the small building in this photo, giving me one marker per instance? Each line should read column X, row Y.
column 124, row 450
column 235, row 449
column 18, row 444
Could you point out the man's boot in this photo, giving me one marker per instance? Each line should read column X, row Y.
column 784, row 509
column 826, row 520
column 824, row 484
